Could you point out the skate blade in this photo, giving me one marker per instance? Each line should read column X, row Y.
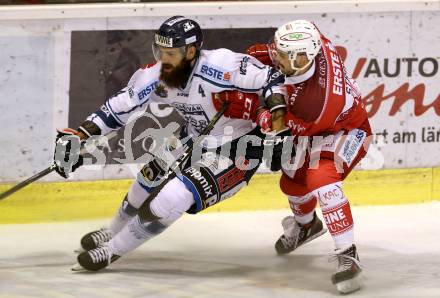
column 79, row 250
column 77, row 268
column 351, row 285
column 322, row 232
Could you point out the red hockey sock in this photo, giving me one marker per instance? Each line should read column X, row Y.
column 303, row 208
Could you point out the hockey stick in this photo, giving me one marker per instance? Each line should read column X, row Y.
column 180, row 162
column 27, row 181
column 169, row 175
column 39, row 175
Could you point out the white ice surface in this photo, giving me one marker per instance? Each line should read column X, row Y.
column 229, row 255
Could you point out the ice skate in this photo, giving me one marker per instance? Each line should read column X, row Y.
column 94, row 239
column 347, row 277
column 95, row 259
column 296, row 235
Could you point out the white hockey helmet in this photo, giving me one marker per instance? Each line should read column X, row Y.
column 298, row 36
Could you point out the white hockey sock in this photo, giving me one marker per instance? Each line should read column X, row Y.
column 134, row 234
column 129, row 207
column 337, row 213
column 169, row 205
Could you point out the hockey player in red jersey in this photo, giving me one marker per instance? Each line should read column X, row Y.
column 323, row 111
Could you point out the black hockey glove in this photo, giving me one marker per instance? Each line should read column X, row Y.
column 279, row 145
column 67, row 156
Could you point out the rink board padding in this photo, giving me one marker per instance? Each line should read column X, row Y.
column 52, row 202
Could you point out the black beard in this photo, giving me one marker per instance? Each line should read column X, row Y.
column 178, row 76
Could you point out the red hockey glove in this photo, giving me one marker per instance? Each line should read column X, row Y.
column 241, row 105
column 261, row 52
column 264, row 120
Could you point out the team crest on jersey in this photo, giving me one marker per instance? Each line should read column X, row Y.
column 161, row 91
column 194, row 114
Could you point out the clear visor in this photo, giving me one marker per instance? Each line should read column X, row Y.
column 160, row 51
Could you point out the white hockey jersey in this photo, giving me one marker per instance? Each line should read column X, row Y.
column 214, row 71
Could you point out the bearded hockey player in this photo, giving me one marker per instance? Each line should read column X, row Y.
column 325, row 110
column 188, row 78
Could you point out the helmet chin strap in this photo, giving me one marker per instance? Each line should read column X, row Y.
column 296, row 69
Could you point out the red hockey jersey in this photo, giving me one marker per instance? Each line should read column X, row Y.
column 324, row 100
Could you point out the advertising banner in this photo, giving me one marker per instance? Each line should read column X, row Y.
column 394, row 64
column 59, row 71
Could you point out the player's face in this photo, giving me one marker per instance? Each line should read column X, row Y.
column 285, row 64
column 170, row 58
column 175, row 66
column 301, row 60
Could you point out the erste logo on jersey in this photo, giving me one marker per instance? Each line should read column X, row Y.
column 215, row 73
column 338, row 71
column 146, row 91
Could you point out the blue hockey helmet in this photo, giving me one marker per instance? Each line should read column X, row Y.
column 179, row 31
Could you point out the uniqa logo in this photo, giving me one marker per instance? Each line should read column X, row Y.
column 295, row 35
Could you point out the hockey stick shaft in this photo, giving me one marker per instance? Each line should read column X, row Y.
column 180, row 162
column 27, row 182
column 205, row 132
column 177, row 164
column 39, row 175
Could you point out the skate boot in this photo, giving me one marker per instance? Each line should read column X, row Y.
column 93, row 239
column 347, row 276
column 95, row 259
column 296, row 235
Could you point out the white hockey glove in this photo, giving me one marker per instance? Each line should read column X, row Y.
column 67, row 156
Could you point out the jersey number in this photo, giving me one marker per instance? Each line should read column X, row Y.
column 201, row 91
